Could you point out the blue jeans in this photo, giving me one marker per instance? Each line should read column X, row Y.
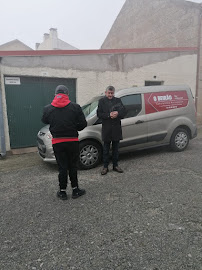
column 115, row 153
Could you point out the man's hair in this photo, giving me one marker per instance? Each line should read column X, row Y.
column 110, row 88
column 61, row 89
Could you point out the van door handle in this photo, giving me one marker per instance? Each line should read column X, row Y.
column 139, row 122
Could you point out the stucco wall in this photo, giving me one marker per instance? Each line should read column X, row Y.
column 168, row 23
column 93, row 77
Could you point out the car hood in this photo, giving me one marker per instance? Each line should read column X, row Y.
column 45, row 129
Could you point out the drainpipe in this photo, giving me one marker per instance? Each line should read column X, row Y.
column 2, row 130
column 198, row 57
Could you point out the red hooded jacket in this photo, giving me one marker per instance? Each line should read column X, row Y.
column 65, row 118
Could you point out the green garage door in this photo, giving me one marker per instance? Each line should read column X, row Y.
column 25, row 98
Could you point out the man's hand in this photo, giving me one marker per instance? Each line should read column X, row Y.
column 114, row 114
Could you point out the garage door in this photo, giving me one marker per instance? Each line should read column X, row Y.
column 25, row 98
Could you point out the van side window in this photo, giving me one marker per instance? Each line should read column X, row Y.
column 133, row 105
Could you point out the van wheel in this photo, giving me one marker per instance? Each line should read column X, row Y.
column 179, row 140
column 90, row 154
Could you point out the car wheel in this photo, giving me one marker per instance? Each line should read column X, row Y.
column 179, row 140
column 90, row 154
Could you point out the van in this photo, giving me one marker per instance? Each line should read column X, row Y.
column 156, row 116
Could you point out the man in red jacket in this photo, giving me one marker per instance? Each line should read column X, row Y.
column 65, row 119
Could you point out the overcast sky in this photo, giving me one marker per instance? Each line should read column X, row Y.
column 81, row 23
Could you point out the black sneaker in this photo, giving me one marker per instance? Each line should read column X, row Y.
column 77, row 192
column 62, row 195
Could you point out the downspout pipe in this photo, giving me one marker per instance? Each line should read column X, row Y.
column 198, row 56
column 2, row 129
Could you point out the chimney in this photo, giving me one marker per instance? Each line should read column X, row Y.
column 45, row 36
column 53, row 33
column 37, row 46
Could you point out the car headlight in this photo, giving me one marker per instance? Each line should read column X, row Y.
column 40, row 133
column 49, row 136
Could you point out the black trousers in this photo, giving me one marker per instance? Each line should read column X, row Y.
column 67, row 156
column 115, row 153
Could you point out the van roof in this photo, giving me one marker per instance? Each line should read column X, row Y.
column 151, row 89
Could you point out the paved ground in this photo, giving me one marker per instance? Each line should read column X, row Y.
column 149, row 218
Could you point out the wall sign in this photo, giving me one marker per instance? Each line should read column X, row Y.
column 12, row 80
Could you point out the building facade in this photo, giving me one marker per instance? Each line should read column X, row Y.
column 28, row 80
column 161, row 49
column 160, row 24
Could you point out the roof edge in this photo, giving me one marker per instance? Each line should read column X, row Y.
column 102, row 51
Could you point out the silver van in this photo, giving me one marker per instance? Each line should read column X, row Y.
column 156, row 115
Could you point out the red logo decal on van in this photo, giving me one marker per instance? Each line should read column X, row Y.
column 163, row 101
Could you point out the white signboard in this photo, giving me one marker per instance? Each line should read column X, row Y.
column 12, row 80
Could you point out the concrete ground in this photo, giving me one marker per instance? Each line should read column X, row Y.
column 149, row 218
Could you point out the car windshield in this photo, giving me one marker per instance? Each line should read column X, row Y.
column 90, row 108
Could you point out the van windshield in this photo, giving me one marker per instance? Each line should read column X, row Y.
column 90, row 108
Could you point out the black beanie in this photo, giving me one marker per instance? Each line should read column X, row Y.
column 61, row 89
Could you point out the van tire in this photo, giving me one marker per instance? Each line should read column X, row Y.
column 179, row 140
column 90, row 154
